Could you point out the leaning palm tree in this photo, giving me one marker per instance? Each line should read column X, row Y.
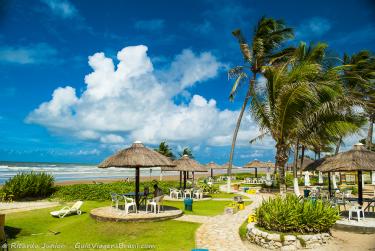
column 269, row 34
column 165, row 150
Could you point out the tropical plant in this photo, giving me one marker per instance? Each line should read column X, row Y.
column 187, row 151
column 28, row 185
column 292, row 214
column 269, row 35
column 165, row 150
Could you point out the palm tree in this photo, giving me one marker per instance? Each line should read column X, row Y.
column 299, row 95
column 165, row 150
column 187, row 151
column 269, row 34
column 359, row 77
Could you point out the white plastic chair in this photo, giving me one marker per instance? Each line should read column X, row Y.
column 76, row 208
column 174, row 193
column 154, row 204
column 129, row 202
column 187, row 192
column 114, row 200
column 357, row 209
column 198, row 194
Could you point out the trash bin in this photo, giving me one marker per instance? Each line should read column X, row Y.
column 241, row 205
column 306, row 193
column 188, row 204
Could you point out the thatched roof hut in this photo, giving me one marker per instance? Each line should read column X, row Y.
column 306, row 161
column 259, row 164
column 137, row 156
column 186, row 165
column 213, row 166
column 357, row 159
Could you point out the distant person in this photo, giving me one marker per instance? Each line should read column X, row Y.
column 157, row 191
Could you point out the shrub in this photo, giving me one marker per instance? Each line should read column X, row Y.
column 292, row 214
column 28, row 185
column 102, row 192
column 209, row 189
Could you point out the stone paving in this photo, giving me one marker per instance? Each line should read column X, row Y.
column 221, row 232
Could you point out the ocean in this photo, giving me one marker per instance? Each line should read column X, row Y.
column 71, row 171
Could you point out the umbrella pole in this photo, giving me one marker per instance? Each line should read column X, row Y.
column 329, row 184
column 256, row 172
column 360, row 195
column 184, row 179
column 180, row 179
column 137, row 186
column 193, row 178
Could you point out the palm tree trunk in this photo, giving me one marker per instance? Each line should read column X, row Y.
column 338, row 146
column 302, row 158
column 295, row 177
column 281, row 159
column 369, row 143
column 234, row 139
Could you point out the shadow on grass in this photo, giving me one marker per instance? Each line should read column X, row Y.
column 12, row 232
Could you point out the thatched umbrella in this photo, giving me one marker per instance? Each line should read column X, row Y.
column 213, row 166
column 357, row 159
column 306, row 162
column 258, row 164
column 137, row 156
column 186, row 165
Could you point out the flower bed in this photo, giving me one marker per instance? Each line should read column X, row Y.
column 277, row 241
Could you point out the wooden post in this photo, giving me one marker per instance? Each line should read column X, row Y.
column 212, row 173
column 2, row 225
column 329, row 184
column 256, row 172
column 193, row 178
column 180, row 179
column 184, row 179
column 360, row 192
column 137, row 187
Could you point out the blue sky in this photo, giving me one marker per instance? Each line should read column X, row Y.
column 178, row 53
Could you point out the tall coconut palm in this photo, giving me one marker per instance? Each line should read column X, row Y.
column 269, row 34
column 165, row 150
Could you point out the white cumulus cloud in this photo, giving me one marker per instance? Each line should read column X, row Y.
column 133, row 101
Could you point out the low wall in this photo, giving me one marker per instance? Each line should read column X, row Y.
column 285, row 242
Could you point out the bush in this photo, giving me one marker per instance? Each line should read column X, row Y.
column 100, row 192
column 28, row 185
column 292, row 214
column 209, row 189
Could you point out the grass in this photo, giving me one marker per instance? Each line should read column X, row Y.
column 33, row 227
column 206, row 208
column 223, row 195
column 243, row 230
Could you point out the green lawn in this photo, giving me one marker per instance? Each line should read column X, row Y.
column 205, row 208
column 32, row 227
column 223, row 195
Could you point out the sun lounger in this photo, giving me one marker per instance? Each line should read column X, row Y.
column 68, row 210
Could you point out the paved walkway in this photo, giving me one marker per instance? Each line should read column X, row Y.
column 221, row 232
column 12, row 207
